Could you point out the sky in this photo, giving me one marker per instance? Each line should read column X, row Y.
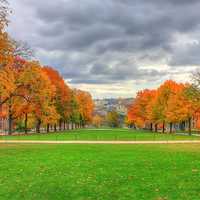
column 112, row 48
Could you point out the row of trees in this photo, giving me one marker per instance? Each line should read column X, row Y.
column 171, row 103
column 32, row 95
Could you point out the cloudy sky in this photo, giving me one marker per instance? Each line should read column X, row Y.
column 112, row 48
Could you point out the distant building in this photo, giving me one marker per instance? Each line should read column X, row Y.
column 102, row 106
column 121, row 109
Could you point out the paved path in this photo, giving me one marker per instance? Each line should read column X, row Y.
column 98, row 142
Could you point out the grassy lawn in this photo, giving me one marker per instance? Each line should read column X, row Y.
column 98, row 134
column 103, row 172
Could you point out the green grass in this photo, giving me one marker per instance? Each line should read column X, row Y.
column 98, row 134
column 103, row 172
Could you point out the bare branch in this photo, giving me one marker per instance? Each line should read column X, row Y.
column 4, row 12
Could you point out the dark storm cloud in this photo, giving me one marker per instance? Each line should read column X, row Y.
column 91, row 41
column 186, row 55
column 103, row 26
column 122, row 71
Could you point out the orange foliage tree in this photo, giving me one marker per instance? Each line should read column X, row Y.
column 39, row 93
column 139, row 112
column 169, row 104
column 86, row 106
column 180, row 108
column 62, row 96
column 97, row 121
column 27, row 89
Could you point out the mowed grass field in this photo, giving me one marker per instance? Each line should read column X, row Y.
column 101, row 134
column 103, row 172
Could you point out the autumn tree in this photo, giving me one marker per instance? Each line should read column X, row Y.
column 139, row 112
column 193, row 90
column 171, row 103
column 113, row 119
column 74, row 110
column 174, row 110
column 192, row 93
column 41, row 93
column 163, row 94
column 62, row 95
column 25, row 84
column 86, row 107
column 180, row 108
column 97, row 121
column 10, row 85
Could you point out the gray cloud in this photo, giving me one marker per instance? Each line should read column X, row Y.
column 91, row 42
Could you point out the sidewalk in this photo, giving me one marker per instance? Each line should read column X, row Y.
column 98, row 142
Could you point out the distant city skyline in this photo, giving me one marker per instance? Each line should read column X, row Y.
column 112, row 48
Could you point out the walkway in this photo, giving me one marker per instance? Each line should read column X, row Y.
column 98, row 142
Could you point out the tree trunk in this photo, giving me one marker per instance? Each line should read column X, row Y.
column 156, row 128
column 38, row 126
column 47, row 128
column 10, row 120
column 189, row 126
column 60, row 125
column 171, row 126
column 67, row 125
column 64, row 127
column 184, row 126
column 55, row 127
column 163, row 127
column 26, row 123
column 151, row 127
